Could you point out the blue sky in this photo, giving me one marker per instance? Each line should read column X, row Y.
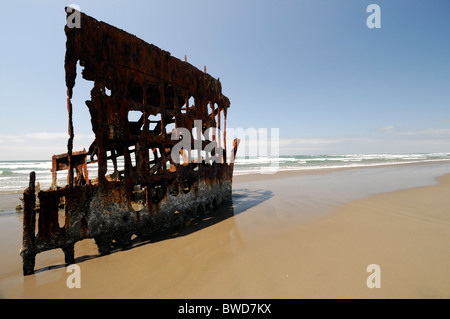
column 311, row 68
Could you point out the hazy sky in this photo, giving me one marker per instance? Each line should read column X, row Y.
column 311, row 68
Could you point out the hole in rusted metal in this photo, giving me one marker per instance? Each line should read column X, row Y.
column 54, row 256
column 186, row 186
column 137, row 206
column 136, row 121
column 61, row 212
column 170, row 127
column 183, row 109
column 188, row 104
column 155, row 123
column 138, row 198
column 134, row 116
column 132, row 151
column 191, row 102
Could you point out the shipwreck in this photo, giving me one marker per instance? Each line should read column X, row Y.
column 161, row 183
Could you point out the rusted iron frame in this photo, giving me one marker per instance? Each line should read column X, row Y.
column 97, row 46
column 77, row 160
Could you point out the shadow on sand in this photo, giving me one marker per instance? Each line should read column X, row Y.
column 242, row 200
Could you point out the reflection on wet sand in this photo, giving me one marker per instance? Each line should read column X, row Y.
column 242, row 200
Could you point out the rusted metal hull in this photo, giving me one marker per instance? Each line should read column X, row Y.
column 153, row 191
column 110, row 213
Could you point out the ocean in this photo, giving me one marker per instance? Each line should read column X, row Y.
column 14, row 175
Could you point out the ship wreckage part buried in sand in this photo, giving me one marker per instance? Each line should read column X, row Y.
column 155, row 190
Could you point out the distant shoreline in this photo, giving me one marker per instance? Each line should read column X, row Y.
column 14, row 175
column 299, row 172
column 10, row 199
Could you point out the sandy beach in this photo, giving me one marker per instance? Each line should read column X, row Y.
column 285, row 235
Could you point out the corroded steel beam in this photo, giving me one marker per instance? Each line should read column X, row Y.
column 152, row 190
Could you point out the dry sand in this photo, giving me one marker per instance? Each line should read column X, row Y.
column 290, row 236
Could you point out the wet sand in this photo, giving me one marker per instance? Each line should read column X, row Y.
column 8, row 202
column 287, row 235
